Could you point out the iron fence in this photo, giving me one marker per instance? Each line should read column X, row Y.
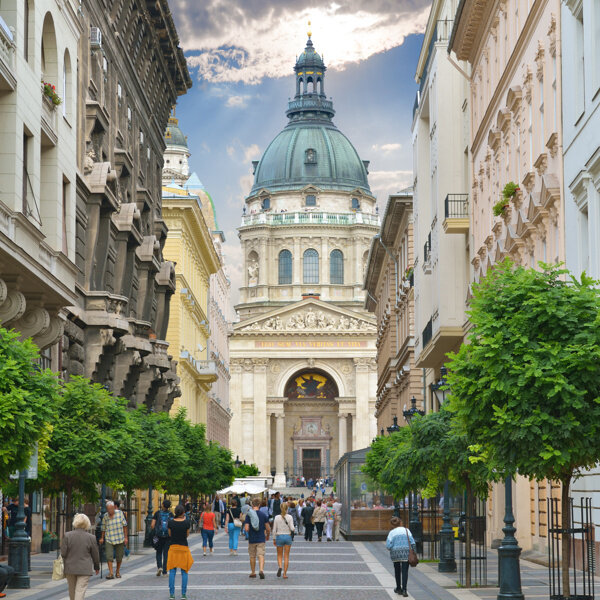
column 456, row 206
column 472, row 549
column 571, row 561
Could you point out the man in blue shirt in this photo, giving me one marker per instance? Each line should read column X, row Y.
column 258, row 535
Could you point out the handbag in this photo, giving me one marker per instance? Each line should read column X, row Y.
column 58, row 569
column 236, row 522
column 413, row 559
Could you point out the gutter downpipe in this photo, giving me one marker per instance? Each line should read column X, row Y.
column 396, row 269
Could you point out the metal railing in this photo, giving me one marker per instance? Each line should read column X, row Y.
column 427, row 249
column 310, row 218
column 456, row 206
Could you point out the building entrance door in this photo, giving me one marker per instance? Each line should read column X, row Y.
column 311, row 463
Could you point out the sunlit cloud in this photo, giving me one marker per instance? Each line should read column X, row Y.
column 384, row 183
column 237, row 101
column 226, row 41
column 386, row 148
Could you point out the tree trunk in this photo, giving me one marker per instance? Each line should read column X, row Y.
column 566, row 537
column 68, row 508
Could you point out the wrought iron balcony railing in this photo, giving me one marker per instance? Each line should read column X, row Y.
column 456, row 206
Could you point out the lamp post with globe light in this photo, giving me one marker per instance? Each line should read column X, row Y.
column 447, row 562
column 414, row 523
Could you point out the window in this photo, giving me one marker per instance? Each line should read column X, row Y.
column 311, row 200
column 355, row 204
column 310, row 156
column 554, row 101
column 65, row 201
column 542, row 122
column 336, row 267
column 579, row 67
column 26, row 31
column 311, row 266
column 285, row 267
column 266, row 203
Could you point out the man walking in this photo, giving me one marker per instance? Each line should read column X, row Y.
column 307, row 513
column 299, row 509
column 258, row 531
column 337, row 507
column 114, row 536
column 218, row 509
column 275, row 506
column 160, row 529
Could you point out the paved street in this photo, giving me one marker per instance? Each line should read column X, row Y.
column 341, row 570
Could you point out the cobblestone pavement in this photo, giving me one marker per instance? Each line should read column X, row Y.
column 338, row 570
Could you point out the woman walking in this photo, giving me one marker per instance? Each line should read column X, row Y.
column 207, row 522
column 319, row 518
column 233, row 524
column 399, row 541
column 293, row 511
column 79, row 551
column 179, row 556
column 330, row 517
column 283, row 532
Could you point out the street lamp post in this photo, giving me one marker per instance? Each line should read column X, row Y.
column 393, row 429
column 18, row 546
column 447, row 562
column 414, row 524
column 148, row 536
column 509, row 552
column 238, row 462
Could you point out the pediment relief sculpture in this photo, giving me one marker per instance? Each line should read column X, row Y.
column 311, row 320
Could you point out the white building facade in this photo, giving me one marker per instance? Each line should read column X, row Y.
column 303, row 369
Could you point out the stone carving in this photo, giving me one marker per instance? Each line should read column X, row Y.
column 253, row 272
column 311, row 321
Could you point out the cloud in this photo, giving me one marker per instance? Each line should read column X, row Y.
column 386, row 148
column 384, row 183
column 232, row 41
column 237, row 101
column 246, row 182
column 241, row 153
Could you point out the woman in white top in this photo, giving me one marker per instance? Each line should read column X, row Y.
column 283, row 531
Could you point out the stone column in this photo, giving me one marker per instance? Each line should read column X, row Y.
column 279, row 481
column 262, row 443
column 343, row 434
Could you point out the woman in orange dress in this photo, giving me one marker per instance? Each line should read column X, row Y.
column 179, row 556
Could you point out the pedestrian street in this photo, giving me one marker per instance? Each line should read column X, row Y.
column 340, row 570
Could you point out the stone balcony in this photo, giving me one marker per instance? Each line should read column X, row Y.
column 310, row 218
column 49, row 127
column 8, row 79
column 456, row 213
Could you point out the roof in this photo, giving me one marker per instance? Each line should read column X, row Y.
column 173, row 135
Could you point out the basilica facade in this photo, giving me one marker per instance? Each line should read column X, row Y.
column 303, row 369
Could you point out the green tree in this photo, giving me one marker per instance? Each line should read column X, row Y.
column 91, row 440
column 222, row 469
column 246, row 471
column 526, row 388
column 28, row 402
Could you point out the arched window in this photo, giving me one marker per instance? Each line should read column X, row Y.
column 336, row 267
column 266, row 204
column 355, row 204
column 311, row 266
column 285, row 267
column 66, row 91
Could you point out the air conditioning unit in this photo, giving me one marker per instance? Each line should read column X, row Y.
column 95, row 38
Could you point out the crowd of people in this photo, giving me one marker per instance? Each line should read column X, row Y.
column 258, row 520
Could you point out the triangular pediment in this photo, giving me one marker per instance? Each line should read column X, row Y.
column 308, row 316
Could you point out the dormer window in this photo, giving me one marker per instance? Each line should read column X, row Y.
column 311, row 200
column 266, row 204
column 355, row 204
column 311, row 157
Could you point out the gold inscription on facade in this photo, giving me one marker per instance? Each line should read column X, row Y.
column 309, row 344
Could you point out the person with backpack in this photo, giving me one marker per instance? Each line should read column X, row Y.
column 160, row 539
column 257, row 531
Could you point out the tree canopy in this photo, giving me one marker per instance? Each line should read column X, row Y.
column 28, row 402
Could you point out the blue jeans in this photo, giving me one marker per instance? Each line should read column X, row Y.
column 207, row 537
column 234, row 536
column 184, row 580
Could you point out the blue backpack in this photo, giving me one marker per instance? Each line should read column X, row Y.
column 163, row 524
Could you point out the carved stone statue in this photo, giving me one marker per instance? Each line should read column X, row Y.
column 311, row 319
column 344, row 322
column 253, row 271
column 321, row 320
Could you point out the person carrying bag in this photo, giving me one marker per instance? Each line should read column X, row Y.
column 402, row 549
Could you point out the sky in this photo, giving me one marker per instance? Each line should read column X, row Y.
column 241, row 55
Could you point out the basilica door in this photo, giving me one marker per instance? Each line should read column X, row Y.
column 311, row 463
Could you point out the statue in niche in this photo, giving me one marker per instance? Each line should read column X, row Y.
column 253, row 272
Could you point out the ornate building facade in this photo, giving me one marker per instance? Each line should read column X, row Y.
column 199, row 325
column 303, row 370
column 390, row 295
column 130, row 72
column 38, row 165
column 512, row 50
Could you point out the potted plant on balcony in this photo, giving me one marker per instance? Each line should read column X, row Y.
column 508, row 193
column 49, row 91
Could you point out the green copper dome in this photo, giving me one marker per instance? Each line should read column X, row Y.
column 173, row 135
column 311, row 150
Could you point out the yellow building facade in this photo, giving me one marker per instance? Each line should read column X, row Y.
column 190, row 246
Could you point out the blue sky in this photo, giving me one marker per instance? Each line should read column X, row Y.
column 241, row 55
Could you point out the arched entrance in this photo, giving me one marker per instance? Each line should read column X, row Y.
column 311, row 406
